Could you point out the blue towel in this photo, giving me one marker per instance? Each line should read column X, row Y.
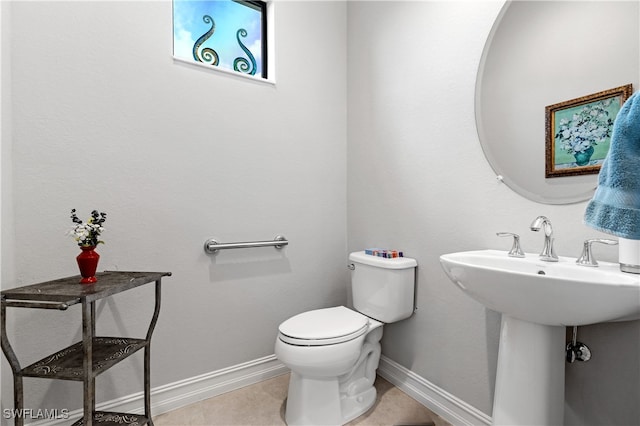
column 615, row 206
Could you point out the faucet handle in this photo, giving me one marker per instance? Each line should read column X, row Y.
column 586, row 258
column 515, row 251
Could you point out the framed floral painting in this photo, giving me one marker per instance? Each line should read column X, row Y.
column 578, row 132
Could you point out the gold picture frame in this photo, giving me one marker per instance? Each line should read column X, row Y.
column 578, row 132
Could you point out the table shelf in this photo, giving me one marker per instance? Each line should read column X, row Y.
column 66, row 364
column 110, row 418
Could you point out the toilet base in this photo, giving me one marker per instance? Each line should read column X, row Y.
column 355, row 406
column 336, row 400
column 320, row 402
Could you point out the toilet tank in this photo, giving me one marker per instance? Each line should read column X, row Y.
column 383, row 289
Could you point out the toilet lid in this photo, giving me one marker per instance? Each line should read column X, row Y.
column 324, row 326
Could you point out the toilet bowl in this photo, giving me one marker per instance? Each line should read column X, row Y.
column 333, row 353
column 332, row 370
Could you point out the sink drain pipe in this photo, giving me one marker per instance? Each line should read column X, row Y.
column 577, row 351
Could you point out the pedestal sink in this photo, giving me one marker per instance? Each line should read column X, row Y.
column 537, row 300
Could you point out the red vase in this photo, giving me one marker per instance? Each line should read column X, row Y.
column 88, row 263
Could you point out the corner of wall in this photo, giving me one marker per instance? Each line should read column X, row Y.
column 6, row 238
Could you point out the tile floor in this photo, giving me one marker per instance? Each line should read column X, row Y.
column 263, row 404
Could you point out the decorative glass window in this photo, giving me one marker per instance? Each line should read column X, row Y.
column 229, row 34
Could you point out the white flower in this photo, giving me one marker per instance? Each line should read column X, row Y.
column 87, row 233
column 586, row 128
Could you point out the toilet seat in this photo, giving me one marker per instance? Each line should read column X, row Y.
column 320, row 327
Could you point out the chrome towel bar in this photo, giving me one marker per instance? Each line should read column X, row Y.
column 211, row 246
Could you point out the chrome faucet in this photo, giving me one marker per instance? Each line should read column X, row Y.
column 516, row 250
column 586, row 258
column 548, row 253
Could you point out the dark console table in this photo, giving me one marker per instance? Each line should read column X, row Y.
column 84, row 360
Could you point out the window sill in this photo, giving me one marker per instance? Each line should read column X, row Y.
column 234, row 74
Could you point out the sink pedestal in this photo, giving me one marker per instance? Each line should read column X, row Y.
column 530, row 375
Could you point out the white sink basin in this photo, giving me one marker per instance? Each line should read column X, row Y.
column 537, row 299
column 549, row 293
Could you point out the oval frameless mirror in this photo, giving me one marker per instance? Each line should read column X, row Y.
column 540, row 54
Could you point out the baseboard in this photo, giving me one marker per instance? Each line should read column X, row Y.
column 194, row 389
column 178, row 394
column 184, row 392
column 441, row 402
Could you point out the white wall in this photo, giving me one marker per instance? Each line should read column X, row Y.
column 418, row 181
column 104, row 118
column 177, row 162
column 2, row 129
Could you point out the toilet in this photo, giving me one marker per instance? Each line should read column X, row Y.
column 333, row 353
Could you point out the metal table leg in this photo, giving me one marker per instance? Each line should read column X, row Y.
column 18, row 393
column 89, row 381
column 147, row 356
